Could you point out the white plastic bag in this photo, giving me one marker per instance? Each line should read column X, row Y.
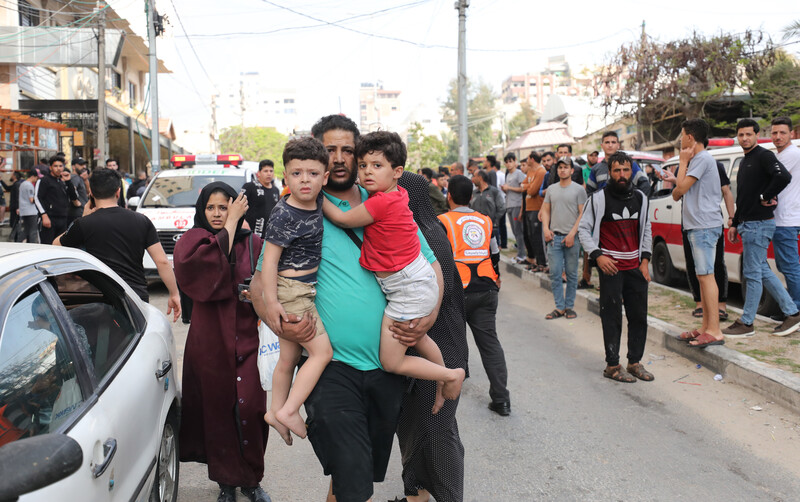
column 269, row 350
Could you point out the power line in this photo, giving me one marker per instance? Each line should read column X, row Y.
column 191, row 45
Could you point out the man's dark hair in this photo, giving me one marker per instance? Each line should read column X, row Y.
column 619, row 157
column 427, row 172
column 385, row 142
column 104, row 183
column 509, row 156
column 460, row 189
column 747, row 123
column 581, row 161
column 265, row 162
column 536, row 157
column 492, row 160
column 609, row 133
column 568, row 147
column 111, row 159
column 444, row 170
column 56, row 158
column 480, row 173
column 66, row 170
column 31, row 174
column 472, row 163
column 305, row 148
column 696, row 128
column 549, row 154
column 332, row 122
column 787, row 121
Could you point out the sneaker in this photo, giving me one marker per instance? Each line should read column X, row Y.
column 741, row 330
column 518, row 260
column 790, row 325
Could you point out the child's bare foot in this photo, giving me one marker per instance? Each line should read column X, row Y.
column 293, row 421
column 275, row 424
column 439, row 401
column 452, row 387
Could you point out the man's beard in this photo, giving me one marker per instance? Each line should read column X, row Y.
column 621, row 188
column 341, row 186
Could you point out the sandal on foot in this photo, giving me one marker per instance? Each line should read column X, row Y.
column 571, row 314
column 705, row 340
column 698, row 312
column 688, row 336
column 723, row 315
column 616, row 373
column 637, row 370
column 554, row 315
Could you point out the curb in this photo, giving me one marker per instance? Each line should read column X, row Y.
column 777, row 385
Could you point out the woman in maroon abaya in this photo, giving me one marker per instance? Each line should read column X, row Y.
column 223, row 402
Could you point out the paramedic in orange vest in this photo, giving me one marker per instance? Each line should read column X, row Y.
column 477, row 254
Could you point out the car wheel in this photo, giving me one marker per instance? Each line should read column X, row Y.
column 663, row 271
column 165, row 487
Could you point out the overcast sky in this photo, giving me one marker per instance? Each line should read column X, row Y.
column 327, row 48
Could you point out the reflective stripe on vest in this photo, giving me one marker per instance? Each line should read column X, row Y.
column 470, row 237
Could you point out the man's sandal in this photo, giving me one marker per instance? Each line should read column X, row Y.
column 571, row 314
column 705, row 340
column 688, row 336
column 639, row 372
column 554, row 315
column 618, row 374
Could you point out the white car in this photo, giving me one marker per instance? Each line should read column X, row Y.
column 82, row 356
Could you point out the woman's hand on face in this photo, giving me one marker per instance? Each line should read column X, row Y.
column 237, row 208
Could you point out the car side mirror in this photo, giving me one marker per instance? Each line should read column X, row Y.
column 133, row 202
column 33, row 463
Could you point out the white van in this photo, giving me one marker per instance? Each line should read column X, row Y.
column 170, row 197
column 668, row 262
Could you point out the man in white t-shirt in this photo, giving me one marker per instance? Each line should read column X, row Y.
column 787, row 213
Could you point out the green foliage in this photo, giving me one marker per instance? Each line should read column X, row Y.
column 683, row 77
column 792, row 30
column 776, row 92
column 522, row 121
column 480, row 113
column 424, row 150
column 255, row 143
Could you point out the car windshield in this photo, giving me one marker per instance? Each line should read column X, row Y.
column 182, row 191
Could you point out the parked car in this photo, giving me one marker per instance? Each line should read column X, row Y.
column 82, row 356
column 668, row 262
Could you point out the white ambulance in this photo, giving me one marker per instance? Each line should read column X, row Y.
column 668, row 262
column 170, row 197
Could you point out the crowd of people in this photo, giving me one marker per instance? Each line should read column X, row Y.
column 369, row 274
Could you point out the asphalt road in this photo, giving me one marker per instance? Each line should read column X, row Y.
column 574, row 435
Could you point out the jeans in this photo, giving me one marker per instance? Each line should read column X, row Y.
column 784, row 243
column 756, row 272
column 516, row 228
column 720, row 271
column 630, row 287
column 704, row 246
column 563, row 259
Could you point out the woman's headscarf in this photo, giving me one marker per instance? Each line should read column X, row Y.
column 200, row 220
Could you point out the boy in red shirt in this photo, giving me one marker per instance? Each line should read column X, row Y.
column 391, row 250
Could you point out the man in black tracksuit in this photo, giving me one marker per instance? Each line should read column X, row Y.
column 615, row 232
column 54, row 198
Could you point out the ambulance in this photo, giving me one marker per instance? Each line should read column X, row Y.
column 170, row 197
column 668, row 262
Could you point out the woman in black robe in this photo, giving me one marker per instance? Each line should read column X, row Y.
column 431, row 449
column 223, row 402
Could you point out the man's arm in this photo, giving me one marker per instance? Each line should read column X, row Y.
column 499, row 203
column 296, row 329
column 544, row 215
column 727, row 196
column 779, row 176
column 409, row 332
column 165, row 272
column 569, row 240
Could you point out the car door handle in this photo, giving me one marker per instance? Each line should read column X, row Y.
column 165, row 367
column 109, row 449
column 669, row 206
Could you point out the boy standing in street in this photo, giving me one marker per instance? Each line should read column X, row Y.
column 561, row 212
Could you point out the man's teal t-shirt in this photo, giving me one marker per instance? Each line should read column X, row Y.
column 349, row 299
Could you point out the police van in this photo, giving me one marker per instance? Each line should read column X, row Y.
column 170, row 197
column 668, row 262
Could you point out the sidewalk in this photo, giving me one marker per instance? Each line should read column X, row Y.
column 777, row 385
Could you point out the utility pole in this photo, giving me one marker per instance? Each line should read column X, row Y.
column 214, row 146
column 155, row 144
column 102, row 127
column 639, row 132
column 242, row 107
column 463, row 146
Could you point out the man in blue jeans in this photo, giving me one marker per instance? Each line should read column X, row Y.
column 699, row 186
column 760, row 179
column 561, row 212
column 787, row 212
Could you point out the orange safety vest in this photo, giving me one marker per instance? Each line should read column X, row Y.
column 470, row 237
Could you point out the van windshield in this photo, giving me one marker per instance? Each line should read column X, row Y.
column 182, row 191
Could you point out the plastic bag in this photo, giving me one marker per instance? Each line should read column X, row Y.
column 269, row 350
